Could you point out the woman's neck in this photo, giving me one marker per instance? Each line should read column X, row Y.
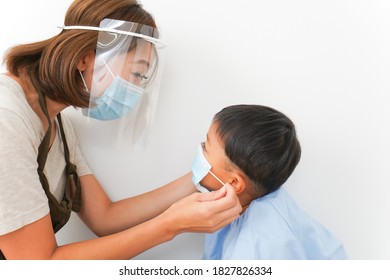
column 53, row 108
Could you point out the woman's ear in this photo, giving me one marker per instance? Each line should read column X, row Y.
column 86, row 61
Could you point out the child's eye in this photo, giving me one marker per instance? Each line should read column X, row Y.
column 203, row 144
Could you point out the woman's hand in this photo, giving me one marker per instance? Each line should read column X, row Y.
column 198, row 212
column 204, row 212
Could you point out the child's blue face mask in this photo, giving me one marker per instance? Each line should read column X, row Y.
column 200, row 168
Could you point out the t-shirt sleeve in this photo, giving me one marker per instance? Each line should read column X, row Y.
column 22, row 198
column 80, row 162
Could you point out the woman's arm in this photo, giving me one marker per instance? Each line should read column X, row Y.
column 199, row 212
column 105, row 217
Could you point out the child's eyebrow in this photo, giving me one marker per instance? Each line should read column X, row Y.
column 207, row 140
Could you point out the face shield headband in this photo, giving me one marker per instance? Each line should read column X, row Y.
column 112, row 30
column 126, row 77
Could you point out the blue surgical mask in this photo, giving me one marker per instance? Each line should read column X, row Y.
column 200, row 168
column 119, row 99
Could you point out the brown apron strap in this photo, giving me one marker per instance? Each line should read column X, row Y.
column 43, row 148
column 59, row 211
column 72, row 179
column 2, row 257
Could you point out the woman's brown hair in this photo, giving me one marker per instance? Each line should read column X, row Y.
column 52, row 64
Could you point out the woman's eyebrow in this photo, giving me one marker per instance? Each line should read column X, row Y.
column 142, row 61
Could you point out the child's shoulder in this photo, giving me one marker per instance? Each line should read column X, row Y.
column 277, row 208
column 276, row 200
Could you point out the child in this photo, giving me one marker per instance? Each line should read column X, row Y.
column 255, row 149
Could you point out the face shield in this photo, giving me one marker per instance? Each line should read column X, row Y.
column 126, row 77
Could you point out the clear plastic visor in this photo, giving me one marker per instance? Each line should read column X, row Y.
column 132, row 57
column 126, row 77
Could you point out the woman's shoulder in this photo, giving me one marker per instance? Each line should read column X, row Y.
column 10, row 91
column 15, row 112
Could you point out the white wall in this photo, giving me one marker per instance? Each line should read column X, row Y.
column 326, row 64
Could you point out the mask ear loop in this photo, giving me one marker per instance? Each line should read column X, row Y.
column 216, row 178
column 108, row 67
column 85, row 84
column 86, row 88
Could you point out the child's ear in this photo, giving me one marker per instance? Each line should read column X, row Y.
column 238, row 182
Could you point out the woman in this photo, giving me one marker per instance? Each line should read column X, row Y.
column 106, row 53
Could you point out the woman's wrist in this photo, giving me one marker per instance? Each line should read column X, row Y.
column 169, row 224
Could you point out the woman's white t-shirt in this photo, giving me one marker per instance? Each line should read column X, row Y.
column 22, row 198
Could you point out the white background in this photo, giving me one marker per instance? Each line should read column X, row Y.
column 326, row 64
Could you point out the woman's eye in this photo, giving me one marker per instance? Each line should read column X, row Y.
column 203, row 144
column 139, row 76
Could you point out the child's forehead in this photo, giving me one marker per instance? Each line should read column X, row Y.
column 213, row 135
column 216, row 142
